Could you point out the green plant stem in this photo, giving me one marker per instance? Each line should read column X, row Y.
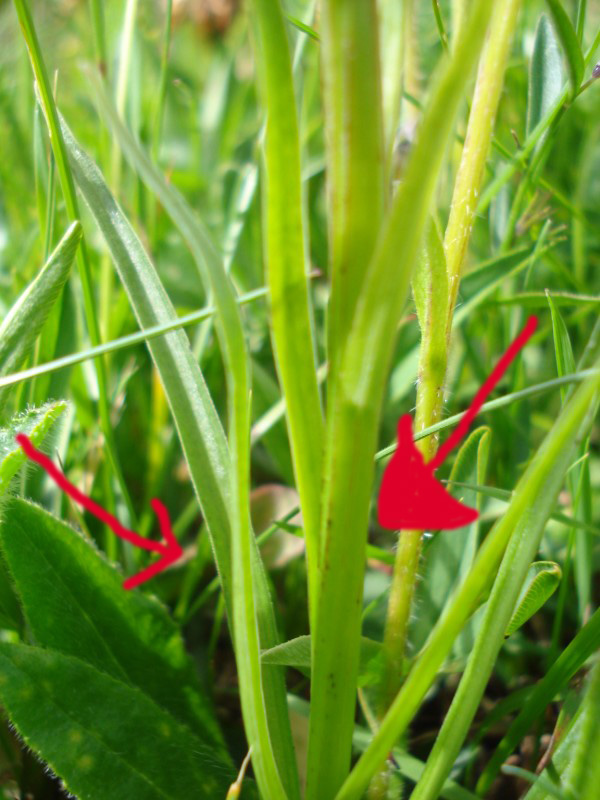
column 286, row 260
column 83, row 263
column 355, row 174
column 352, row 428
column 532, row 484
column 432, row 358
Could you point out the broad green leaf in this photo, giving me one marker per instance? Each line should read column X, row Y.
column 297, row 653
column 103, row 737
column 570, row 661
column 204, row 445
column 27, row 316
column 545, row 74
column 570, row 43
column 74, row 602
column 541, row 582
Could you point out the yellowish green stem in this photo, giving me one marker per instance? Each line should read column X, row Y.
column 432, row 369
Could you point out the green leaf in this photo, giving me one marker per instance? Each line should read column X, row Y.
column 545, row 74
column 297, row 653
column 74, row 602
column 104, row 738
column 27, row 316
column 570, row 43
column 541, row 582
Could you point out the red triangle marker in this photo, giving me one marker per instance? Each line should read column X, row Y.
column 170, row 550
column 411, row 498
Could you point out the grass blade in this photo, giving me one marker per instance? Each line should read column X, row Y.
column 27, row 316
column 286, row 260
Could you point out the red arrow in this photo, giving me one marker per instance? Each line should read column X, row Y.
column 170, row 550
column 410, row 497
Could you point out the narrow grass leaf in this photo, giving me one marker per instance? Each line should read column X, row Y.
column 286, row 266
column 104, row 738
column 28, row 314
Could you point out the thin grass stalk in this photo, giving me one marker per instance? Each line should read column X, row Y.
column 352, row 427
column 529, row 491
column 286, row 265
column 83, row 263
column 433, row 356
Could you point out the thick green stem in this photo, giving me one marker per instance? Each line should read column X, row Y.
column 355, row 176
column 352, row 428
column 432, row 368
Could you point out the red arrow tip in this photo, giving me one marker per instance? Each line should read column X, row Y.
column 169, row 549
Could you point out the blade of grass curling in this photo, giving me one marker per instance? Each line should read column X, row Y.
column 230, row 331
column 28, row 314
column 83, row 264
column 352, row 432
column 285, row 258
column 206, row 452
column 573, row 657
column 528, row 497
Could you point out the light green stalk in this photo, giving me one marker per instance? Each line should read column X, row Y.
column 286, row 264
column 355, row 174
column 433, row 353
column 353, row 421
